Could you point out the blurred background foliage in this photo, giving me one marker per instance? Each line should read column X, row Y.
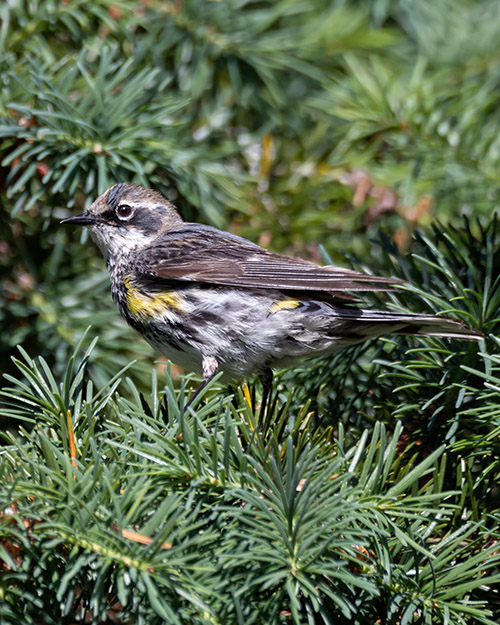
column 295, row 124
column 311, row 128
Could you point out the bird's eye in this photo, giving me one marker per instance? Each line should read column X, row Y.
column 124, row 211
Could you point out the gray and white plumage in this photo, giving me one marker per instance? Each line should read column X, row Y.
column 212, row 301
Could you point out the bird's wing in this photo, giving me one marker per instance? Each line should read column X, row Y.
column 204, row 254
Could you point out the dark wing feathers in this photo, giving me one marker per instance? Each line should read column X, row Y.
column 204, row 254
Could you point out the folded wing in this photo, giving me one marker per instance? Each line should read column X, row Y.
column 204, row 254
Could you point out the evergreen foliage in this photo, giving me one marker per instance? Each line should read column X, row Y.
column 371, row 494
column 161, row 514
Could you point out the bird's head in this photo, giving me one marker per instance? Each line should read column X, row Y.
column 127, row 216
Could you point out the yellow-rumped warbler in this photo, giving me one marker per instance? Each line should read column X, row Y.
column 211, row 301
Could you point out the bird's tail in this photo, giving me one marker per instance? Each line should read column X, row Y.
column 422, row 325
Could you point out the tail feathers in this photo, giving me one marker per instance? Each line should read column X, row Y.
column 442, row 327
column 423, row 325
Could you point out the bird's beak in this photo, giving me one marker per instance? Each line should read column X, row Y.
column 85, row 219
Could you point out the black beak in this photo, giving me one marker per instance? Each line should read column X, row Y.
column 80, row 220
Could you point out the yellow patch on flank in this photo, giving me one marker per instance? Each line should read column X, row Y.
column 286, row 304
column 143, row 305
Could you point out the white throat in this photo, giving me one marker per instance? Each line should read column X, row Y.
column 113, row 242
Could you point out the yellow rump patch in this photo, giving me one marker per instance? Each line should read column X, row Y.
column 143, row 305
column 286, row 304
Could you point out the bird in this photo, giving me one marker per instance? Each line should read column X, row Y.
column 215, row 303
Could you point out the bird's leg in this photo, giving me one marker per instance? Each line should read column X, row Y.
column 210, row 366
column 266, row 378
